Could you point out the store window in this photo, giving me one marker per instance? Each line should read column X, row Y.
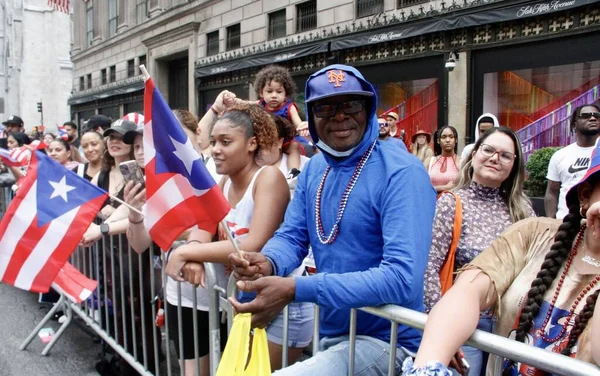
column 277, row 24
column 366, row 8
column 89, row 14
column 306, row 16
column 141, row 11
column 134, row 107
column 212, row 43
column 113, row 15
column 539, row 101
column 415, row 102
column 233, row 37
column 113, row 112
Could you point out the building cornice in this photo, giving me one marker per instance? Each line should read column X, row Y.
column 169, row 15
column 356, row 27
column 173, row 34
column 108, row 87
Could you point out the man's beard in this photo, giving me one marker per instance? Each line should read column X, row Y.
column 589, row 132
column 384, row 134
column 70, row 137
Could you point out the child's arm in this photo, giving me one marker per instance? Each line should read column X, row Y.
column 294, row 116
column 293, row 151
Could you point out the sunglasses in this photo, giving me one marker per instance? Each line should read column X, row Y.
column 588, row 115
column 329, row 110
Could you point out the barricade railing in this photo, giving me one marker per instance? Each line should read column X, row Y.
column 504, row 347
column 121, row 312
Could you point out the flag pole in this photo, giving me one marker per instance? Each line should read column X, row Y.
column 231, row 238
column 126, row 204
column 144, row 72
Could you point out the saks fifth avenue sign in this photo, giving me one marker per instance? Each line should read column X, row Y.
column 532, row 10
column 384, row 37
column 283, row 57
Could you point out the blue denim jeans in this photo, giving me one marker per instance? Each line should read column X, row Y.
column 372, row 358
column 476, row 358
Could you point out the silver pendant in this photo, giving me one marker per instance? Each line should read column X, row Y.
column 591, row 261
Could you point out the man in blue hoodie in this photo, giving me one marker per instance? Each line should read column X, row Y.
column 366, row 208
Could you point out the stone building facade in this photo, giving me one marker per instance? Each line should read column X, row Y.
column 35, row 63
column 516, row 58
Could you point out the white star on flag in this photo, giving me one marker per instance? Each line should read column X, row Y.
column 61, row 188
column 186, row 153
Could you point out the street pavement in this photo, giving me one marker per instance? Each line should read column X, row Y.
column 74, row 354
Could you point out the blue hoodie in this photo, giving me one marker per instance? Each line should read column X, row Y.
column 382, row 247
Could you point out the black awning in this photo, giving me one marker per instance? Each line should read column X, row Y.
column 273, row 57
column 107, row 93
column 452, row 21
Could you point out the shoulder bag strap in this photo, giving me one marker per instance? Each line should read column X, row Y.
column 447, row 270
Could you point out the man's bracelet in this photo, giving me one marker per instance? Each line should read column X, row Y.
column 134, row 222
column 214, row 111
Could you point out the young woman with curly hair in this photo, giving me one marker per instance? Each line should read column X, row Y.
column 541, row 276
column 258, row 197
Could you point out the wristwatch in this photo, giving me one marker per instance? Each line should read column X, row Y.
column 104, row 228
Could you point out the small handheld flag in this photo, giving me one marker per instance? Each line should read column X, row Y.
column 44, row 223
column 180, row 192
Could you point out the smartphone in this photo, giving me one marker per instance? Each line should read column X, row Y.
column 131, row 171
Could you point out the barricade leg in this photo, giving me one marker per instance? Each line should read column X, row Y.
column 352, row 342
column 316, row 336
column 69, row 315
column 286, row 335
column 195, row 327
column 49, row 315
column 214, row 318
column 393, row 349
column 111, row 342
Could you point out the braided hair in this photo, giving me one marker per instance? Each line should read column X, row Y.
column 581, row 322
column 555, row 258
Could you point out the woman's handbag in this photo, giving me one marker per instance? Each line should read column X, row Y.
column 447, row 270
column 235, row 356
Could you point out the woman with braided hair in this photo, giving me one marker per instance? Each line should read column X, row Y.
column 542, row 278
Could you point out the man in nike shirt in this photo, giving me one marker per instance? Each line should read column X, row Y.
column 568, row 165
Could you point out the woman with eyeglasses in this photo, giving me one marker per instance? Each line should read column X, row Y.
column 490, row 191
column 542, row 276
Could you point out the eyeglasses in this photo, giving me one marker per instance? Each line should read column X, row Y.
column 329, row 110
column 503, row 156
column 588, row 115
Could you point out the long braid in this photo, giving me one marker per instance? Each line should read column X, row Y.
column 555, row 258
column 581, row 322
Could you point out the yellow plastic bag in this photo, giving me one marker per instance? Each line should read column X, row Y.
column 236, row 351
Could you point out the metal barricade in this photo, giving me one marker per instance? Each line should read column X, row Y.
column 494, row 344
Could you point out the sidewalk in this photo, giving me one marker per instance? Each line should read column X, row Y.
column 74, row 354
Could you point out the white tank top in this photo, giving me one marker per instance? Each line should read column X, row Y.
column 238, row 219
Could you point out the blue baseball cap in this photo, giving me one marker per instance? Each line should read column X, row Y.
column 335, row 81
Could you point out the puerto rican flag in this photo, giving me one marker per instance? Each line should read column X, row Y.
column 17, row 157
column 180, row 192
column 74, row 285
column 44, row 223
column 62, row 132
column 37, row 144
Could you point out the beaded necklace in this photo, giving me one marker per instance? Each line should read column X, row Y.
column 580, row 297
column 343, row 202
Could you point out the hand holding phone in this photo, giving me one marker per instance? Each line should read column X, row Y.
column 132, row 172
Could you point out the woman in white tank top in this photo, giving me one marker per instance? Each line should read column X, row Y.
column 258, row 197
